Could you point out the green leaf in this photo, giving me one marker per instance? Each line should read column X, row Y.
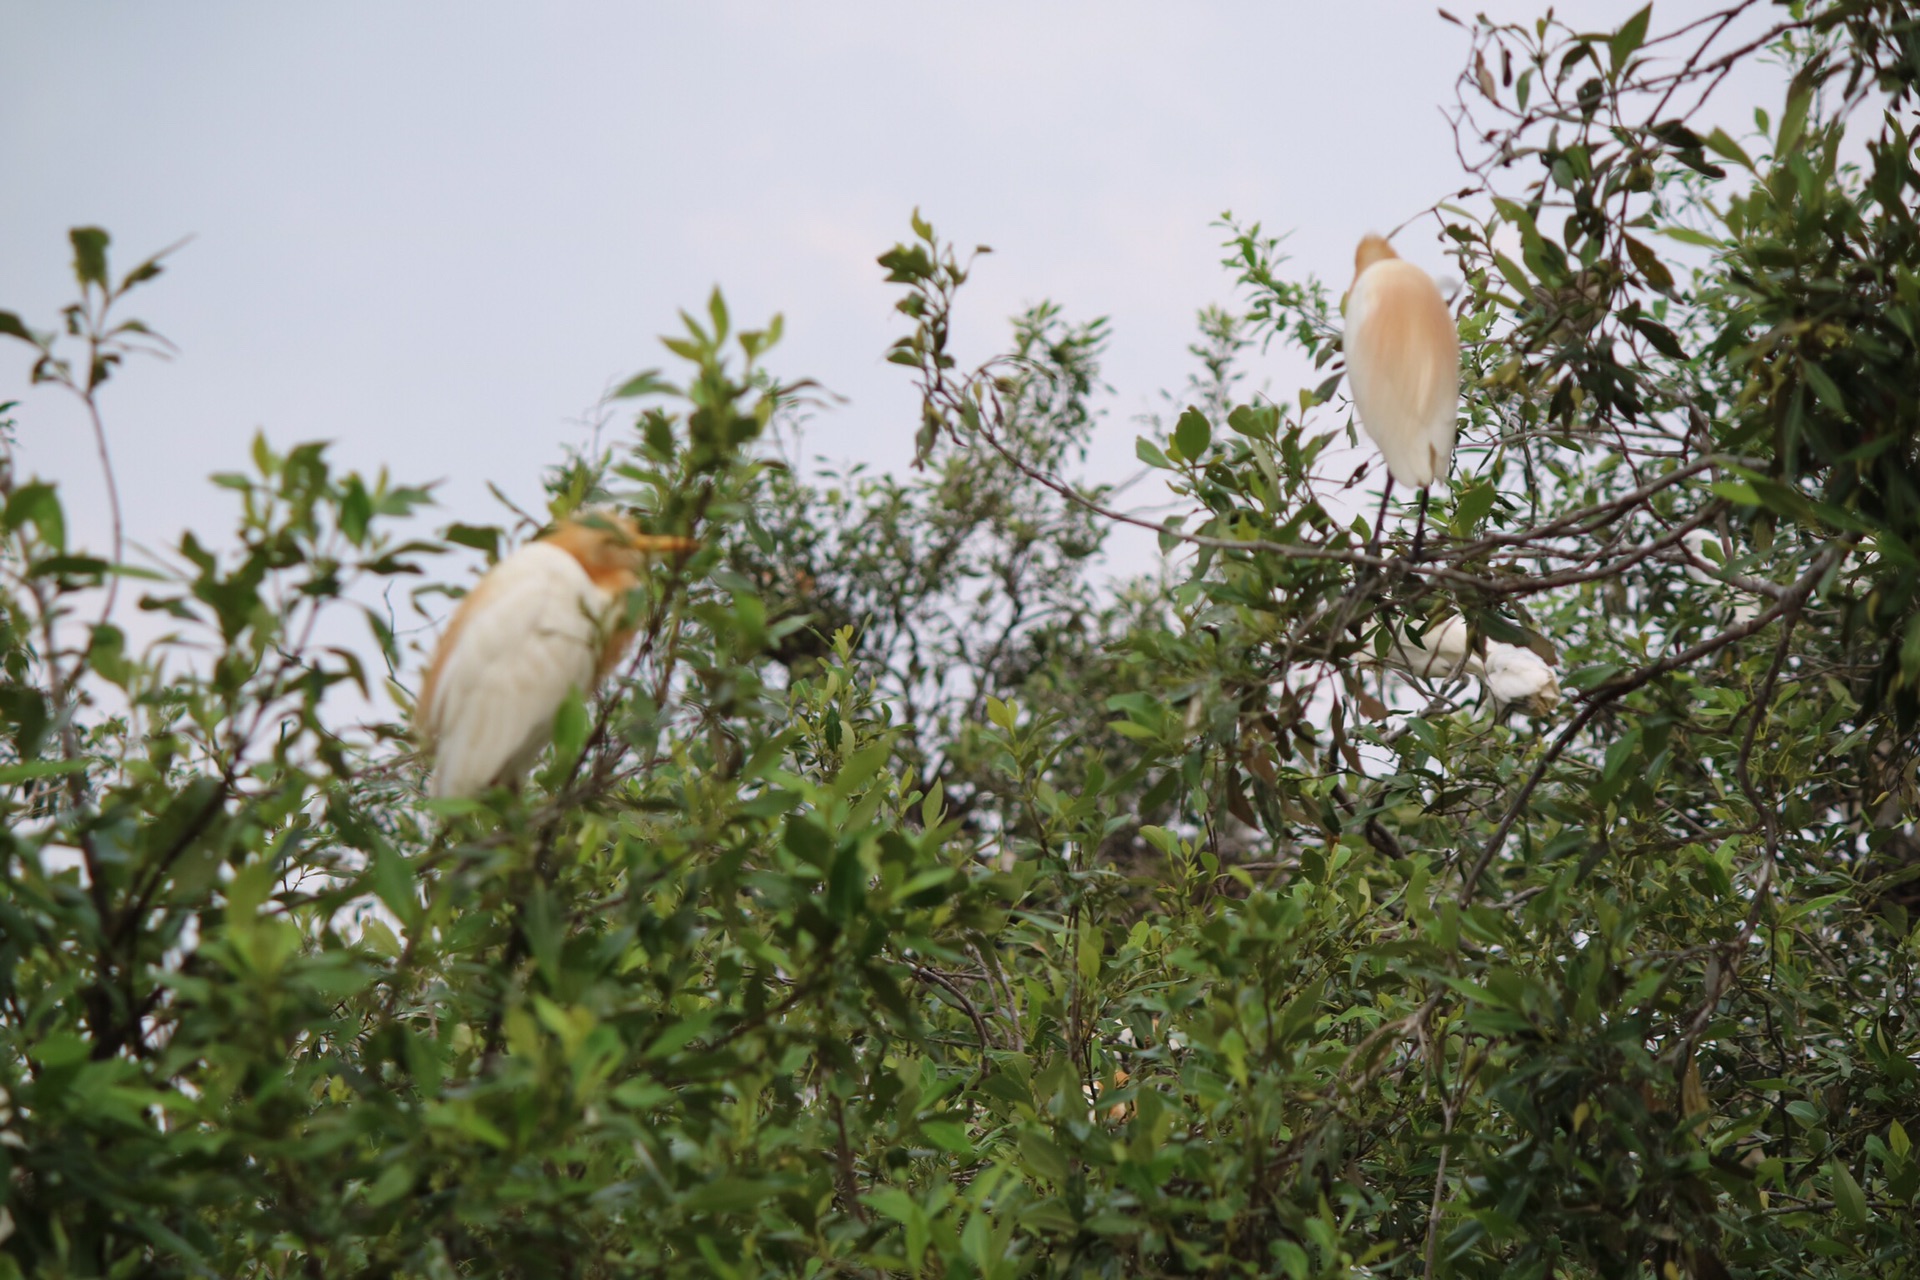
column 39, row 505
column 89, row 255
column 1090, row 952
column 729, row 1195
column 1824, row 387
column 1793, row 120
column 356, row 511
column 1726, row 148
column 31, row 769
column 1192, row 434
column 809, row 841
column 1687, row 235
column 648, row 382
column 1660, row 338
column 948, row 1135
column 1498, row 627
column 847, row 885
column 678, row 1035
column 1735, row 491
column 894, row 1203
column 1651, row 269
column 1149, row 452
column 571, row 723
column 394, row 1181
column 1590, row 676
column 394, row 883
column 1470, row 506
column 10, row 326
column 1627, row 40
column 1043, row 1157
column 1847, row 1196
column 1514, row 275
column 144, row 272
column 1259, row 422
column 481, row 537
column 68, row 567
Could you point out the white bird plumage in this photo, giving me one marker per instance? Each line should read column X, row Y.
column 1516, row 675
column 1442, row 652
column 1403, row 363
column 541, row 624
column 1511, row 674
column 527, row 640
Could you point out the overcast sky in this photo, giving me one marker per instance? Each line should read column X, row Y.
column 436, row 232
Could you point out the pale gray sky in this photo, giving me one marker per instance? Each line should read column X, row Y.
column 436, row 232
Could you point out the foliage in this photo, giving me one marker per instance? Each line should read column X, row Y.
column 911, row 904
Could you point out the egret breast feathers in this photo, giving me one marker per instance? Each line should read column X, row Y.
column 1403, row 369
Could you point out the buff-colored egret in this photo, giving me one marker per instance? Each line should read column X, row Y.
column 542, row 623
column 1403, row 369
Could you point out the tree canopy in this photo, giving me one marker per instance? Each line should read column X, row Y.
column 915, row 902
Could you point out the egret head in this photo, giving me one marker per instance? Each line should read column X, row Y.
column 1372, row 249
column 609, row 546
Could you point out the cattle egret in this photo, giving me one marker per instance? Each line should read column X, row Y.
column 1517, row 675
column 1403, row 368
column 1442, row 652
column 541, row 623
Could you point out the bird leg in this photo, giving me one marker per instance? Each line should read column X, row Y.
column 1419, row 530
column 1380, row 521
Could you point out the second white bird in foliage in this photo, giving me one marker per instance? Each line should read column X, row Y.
column 542, row 623
column 1517, row 676
column 1403, row 363
column 1511, row 674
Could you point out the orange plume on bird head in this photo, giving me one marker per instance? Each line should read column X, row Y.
column 1373, row 248
column 611, row 548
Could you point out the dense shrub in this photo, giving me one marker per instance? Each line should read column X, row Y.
column 913, row 903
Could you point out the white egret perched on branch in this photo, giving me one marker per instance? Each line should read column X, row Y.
column 1512, row 675
column 1403, row 369
column 1518, row 676
column 1441, row 651
column 543, row 622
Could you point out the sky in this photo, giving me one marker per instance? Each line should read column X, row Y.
column 436, row 233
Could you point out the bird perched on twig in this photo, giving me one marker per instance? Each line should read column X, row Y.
column 543, row 622
column 1512, row 675
column 1440, row 652
column 1519, row 677
column 1403, row 368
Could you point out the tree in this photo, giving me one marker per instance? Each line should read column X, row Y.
column 914, row 905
